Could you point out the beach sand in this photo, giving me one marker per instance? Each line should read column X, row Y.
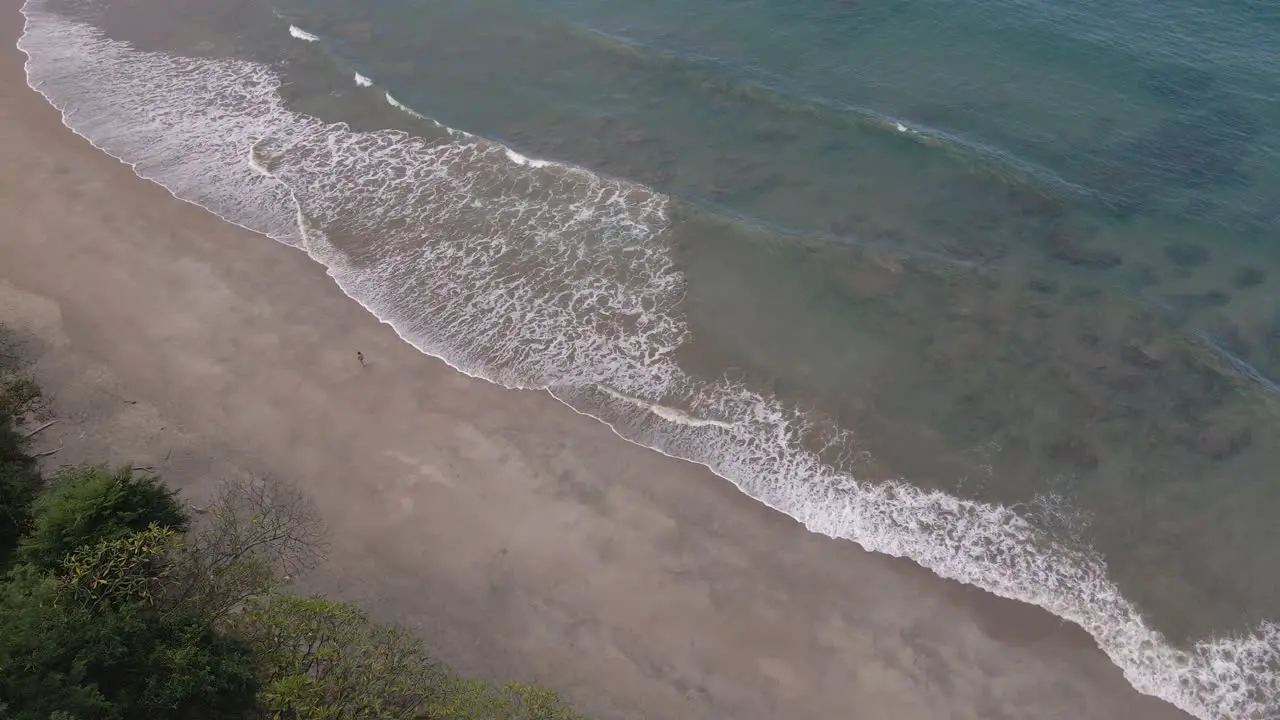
column 518, row 539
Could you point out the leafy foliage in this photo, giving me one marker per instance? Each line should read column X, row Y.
column 19, row 478
column 89, row 505
column 324, row 660
column 19, row 484
column 131, row 570
column 18, row 395
column 469, row 699
column 89, row 640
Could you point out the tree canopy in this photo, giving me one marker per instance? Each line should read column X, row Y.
column 88, row 505
column 19, row 476
column 94, row 639
column 327, row 660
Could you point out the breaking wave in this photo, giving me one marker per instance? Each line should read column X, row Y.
column 301, row 34
column 534, row 274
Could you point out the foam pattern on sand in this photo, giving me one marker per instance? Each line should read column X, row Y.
column 540, row 275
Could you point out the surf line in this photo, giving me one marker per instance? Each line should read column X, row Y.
column 669, row 414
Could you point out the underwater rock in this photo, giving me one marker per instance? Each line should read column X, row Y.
column 1074, row 450
column 1038, row 204
column 773, row 133
column 1126, row 381
column 1250, row 276
column 1042, row 285
column 400, row 67
column 1179, row 84
column 1229, row 337
column 360, row 31
column 1186, row 255
column 634, row 137
column 1200, row 149
column 1145, row 276
column 1219, row 443
column 1140, row 357
column 1271, row 347
column 1203, row 145
column 1064, row 248
column 1186, row 304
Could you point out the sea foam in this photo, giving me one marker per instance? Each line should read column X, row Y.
column 301, row 34
column 538, row 275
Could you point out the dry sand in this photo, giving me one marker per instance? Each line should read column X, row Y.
column 519, row 539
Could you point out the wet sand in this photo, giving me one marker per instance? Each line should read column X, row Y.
column 518, row 539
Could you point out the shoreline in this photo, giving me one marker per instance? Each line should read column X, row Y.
column 516, row 537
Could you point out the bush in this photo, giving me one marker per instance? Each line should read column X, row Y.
column 90, row 641
column 19, row 484
column 19, row 477
column 324, row 660
column 18, row 395
column 132, row 570
column 89, row 505
column 469, row 699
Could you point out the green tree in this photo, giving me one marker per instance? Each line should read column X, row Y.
column 19, row 485
column 19, row 477
column 132, row 570
column 94, row 639
column 19, row 394
column 324, row 660
column 89, row 505
column 470, row 699
column 256, row 533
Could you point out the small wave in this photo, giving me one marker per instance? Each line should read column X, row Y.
column 301, row 34
column 537, row 275
column 393, row 102
column 519, row 159
column 670, row 414
column 778, row 91
column 365, row 81
column 452, row 131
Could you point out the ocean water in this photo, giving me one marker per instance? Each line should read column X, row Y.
column 989, row 285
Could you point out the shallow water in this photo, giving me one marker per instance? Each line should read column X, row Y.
column 985, row 285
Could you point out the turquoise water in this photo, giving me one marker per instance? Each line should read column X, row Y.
column 988, row 285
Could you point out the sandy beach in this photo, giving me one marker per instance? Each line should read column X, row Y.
column 519, row 539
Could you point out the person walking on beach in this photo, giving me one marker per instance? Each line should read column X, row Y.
column 360, row 357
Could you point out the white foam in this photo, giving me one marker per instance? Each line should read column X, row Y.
column 538, row 275
column 363, row 81
column 301, row 34
column 408, row 110
column 519, row 159
column 403, row 108
column 670, row 414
